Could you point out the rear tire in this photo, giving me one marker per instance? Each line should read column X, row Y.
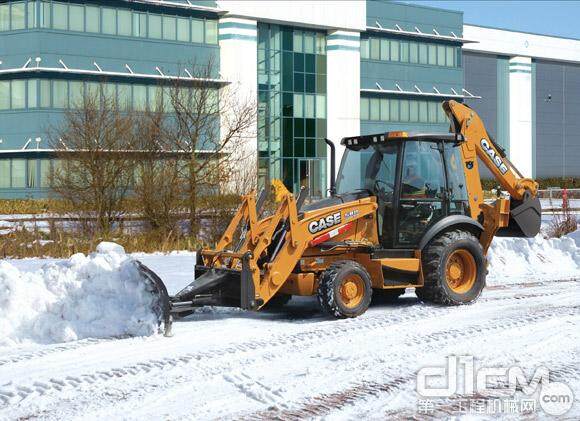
column 454, row 269
column 345, row 289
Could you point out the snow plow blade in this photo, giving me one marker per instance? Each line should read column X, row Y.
column 162, row 305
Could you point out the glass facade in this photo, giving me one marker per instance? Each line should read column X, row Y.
column 62, row 94
column 292, row 107
column 394, row 110
column 17, row 15
column 405, row 51
column 24, row 173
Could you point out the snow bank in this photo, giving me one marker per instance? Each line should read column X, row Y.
column 99, row 295
column 511, row 259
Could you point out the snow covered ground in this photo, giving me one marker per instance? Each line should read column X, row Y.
column 295, row 364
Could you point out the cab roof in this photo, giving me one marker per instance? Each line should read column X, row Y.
column 359, row 142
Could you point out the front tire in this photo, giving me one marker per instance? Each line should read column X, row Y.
column 454, row 269
column 345, row 289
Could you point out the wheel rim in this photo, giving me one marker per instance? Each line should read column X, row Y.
column 460, row 271
column 352, row 291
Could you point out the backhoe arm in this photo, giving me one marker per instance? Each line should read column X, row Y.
column 466, row 122
column 524, row 208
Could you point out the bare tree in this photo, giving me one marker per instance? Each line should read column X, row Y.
column 158, row 180
column 211, row 125
column 95, row 170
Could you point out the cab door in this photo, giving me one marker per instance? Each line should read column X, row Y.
column 423, row 198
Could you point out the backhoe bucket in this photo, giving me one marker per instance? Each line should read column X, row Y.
column 525, row 219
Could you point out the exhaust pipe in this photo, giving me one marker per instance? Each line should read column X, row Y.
column 332, row 166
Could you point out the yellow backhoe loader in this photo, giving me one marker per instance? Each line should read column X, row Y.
column 406, row 211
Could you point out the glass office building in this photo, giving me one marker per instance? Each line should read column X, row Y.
column 315, row 70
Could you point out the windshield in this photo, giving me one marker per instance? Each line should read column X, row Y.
column 368, row 169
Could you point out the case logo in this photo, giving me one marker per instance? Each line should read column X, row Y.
column 324, row 223
column 494, row 156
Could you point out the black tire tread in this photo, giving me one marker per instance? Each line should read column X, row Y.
column 326, row 284
column 433, row 290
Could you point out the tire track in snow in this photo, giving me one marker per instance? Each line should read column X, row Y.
column 16, row 393
column 324, row 404
column 53, row 349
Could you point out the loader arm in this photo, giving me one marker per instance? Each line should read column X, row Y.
column 521, row 211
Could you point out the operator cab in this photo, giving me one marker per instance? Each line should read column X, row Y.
column 417, row 179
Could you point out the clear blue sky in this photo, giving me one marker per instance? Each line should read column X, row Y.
column 559, row 18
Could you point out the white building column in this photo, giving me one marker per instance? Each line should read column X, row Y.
column 520, row 125
column 343, row 88
column 238, row 41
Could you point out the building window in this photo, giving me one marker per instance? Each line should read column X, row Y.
column 124, row 20
column 385, row 110
column 109, row 21
column 422, row 53
column 32, row 93
column 211, row 32
column 4, row 95
column 45, row 15
column 402, row 110
column 60, row 16
column 169, row 32
column 404, row 52
column 4, row 17
column 93, row 16
column 183, row 29
column 31, row 14
column 432, row 54
column 450, row 56
column 375, row 49
column 76, row 90
column 423, row 111
column 413, row 52
column 364, row 109
column 18, row 15
column 76, row 18
column 31, row 176
column 364, row 48
column 139, row 25
column 197, row 31
column 4, row 173
column 155, row 26
column 394, row 50
column 18, row 173
column 441, row 55
column 45, row 94
column 374, row 109
column 18, row 94
column 44, row 173
column 292, row 106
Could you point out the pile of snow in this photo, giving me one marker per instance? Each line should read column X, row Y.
column 99, row 295
column 511, row 259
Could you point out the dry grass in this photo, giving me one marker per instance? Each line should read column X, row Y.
column 24, row 243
